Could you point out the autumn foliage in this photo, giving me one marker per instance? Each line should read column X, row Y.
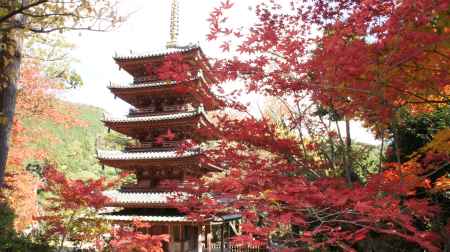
column 70, row 207
column 326, row 62
column 134, row 238
column 329, row 61
column 36, row 99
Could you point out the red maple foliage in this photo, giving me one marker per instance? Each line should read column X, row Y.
column 360, row 59
column 71, row 207
column 364, row 58
column 134, row 238
column 71, row 212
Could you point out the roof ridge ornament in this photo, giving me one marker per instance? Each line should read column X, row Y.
column 174, row 25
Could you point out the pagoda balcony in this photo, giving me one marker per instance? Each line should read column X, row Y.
column 164, row 110
column 176, row 108
column 142, row 79
column 157, row 116
column 147, row 187
column 142, row 111
column 134, row 197
column 152, row 145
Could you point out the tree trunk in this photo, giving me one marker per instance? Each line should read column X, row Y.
column 348, row 145
column 347, row 154
column 380, row 155
column 10, row 59
column 346, row 162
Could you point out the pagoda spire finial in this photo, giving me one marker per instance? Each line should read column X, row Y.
column 174, row 24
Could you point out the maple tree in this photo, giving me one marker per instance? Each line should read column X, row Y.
column 134, row 238
column 70, row 208
column 71, row 212
column 362, row 60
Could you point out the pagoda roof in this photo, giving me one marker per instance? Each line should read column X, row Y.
column 150, row 155
column 133, row 198
column 124, row 216
column 143, row 85
column 146, row 218
column 158, row 53
column 145, row 214
column 157, row 160
column 163, row 117
column 138, row 125
column 196, row 87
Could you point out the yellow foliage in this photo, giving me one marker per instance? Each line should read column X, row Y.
column 440, row 143
column 443, row 183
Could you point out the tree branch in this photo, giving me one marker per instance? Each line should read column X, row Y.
column 21, row 10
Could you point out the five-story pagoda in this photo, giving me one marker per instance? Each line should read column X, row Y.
column 165, row 114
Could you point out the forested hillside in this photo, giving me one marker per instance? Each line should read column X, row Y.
column 72, row 147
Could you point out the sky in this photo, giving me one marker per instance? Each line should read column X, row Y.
column 147, row 29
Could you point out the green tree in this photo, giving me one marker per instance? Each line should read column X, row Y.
column 414, row 131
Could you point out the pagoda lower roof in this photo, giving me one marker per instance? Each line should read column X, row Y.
column 157, row 53
column 149, row 155
column 139, row 198
column 145, row 214
column 125, row 216
column 195, row 87
column 147, row 84
column 155, row 118
column 145, row 218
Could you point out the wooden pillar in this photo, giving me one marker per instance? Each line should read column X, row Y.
column 171, row 240
column 181, row 237
column 199, row 239
column 209, row 237
column 205, row 238
column 221, row 237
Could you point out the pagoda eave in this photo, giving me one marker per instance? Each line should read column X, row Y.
column 135, row 64
column 151, row 219
column 156, row 54
column 195, row 88
column 134, row 164
column 143, row 199
column 133, row 128
column 186, row 163
column 137, row 205
column 175, row 117
column 188, row 166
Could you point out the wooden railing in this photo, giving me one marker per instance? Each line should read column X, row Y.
column 153, row 145
column 142, row 79
column 165, row 109
column 136, row 186
column 142, row 111
column 228, row 247
column 173, row 108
